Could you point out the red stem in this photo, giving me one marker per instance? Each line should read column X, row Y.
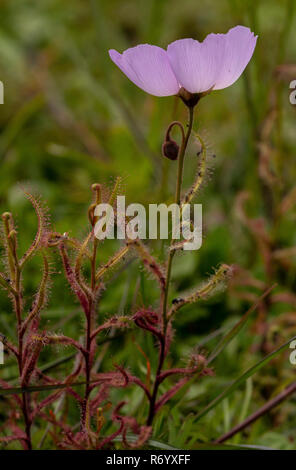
column 89, row 336
column 259, row 413
column 157, row 382
column 25, row 402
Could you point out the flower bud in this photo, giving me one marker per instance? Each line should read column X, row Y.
column 170, row 149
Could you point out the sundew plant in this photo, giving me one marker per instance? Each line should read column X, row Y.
column 100, row 339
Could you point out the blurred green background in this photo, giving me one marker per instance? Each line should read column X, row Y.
column 71, row 118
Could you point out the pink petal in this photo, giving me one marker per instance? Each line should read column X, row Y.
column 197, row 65
column 149, row 68
column 240, row 43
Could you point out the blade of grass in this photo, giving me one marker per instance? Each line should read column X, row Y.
column 151, row 442
column 226, row 339
column 237, row 327
column 245, row 405
column 214, row 446
column 259, row 413
column 40, row 388
column 251, row 371
column 207, row 446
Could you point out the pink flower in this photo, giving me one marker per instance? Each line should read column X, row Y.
column 195, row 66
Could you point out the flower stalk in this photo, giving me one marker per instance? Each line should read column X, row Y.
column 161, row 358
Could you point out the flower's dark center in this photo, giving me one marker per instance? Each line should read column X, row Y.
column 191, row 99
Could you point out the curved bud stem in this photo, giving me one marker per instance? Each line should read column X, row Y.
column 170, row 148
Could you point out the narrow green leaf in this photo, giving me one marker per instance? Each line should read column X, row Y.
column 211, row 446
column 152, row 442
column 56, row 363
column 40, row 388
column 161, row 445
column 206, row 446
column 227, row 391
column 237, row 327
